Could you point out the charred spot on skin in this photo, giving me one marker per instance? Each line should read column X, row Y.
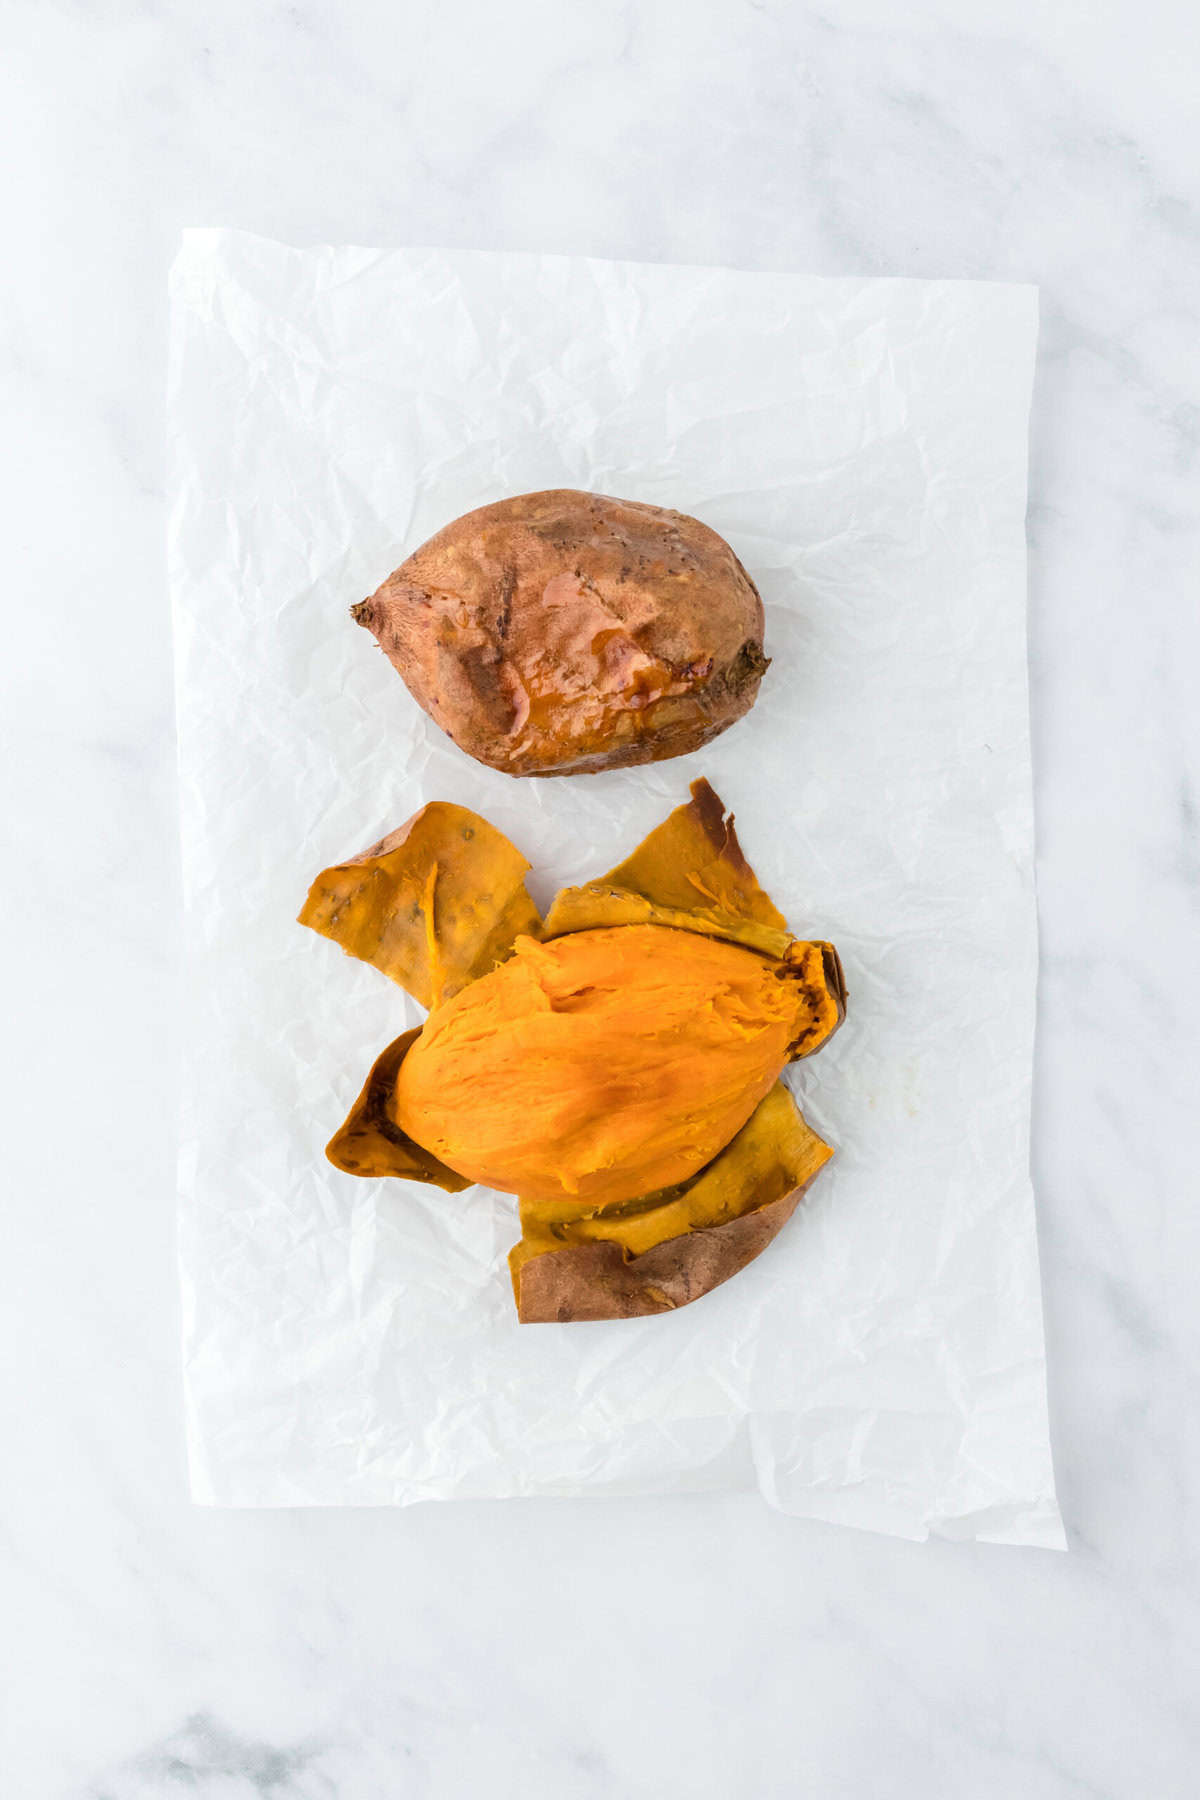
column 749, row 665
column 835, row 977
column 718, row 827
column 508, row 587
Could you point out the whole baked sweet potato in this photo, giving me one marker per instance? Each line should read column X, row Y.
column 560, row 632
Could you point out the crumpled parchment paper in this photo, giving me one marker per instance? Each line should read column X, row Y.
column 862, row 444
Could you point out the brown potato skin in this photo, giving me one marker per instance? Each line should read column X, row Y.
column 595, row 1281
column 563, row 632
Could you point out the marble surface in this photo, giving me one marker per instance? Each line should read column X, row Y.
column 650, row 1648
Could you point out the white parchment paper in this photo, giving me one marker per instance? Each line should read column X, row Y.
column 862, row 444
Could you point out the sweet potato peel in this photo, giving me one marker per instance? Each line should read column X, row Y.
column 596, row 1281
column 595, row 904
column 774, row 1156
column 371, row 1143
column 690, row 874
column 693, row 862
column 434, row 905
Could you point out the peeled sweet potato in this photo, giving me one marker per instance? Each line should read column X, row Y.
column 560, row 632
column 603, row 1065
column 615, row 1067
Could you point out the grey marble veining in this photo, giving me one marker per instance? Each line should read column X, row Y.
column 652, row 1648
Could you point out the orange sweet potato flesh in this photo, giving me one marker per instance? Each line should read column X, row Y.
column 434, row 905
column 602, row 1065
column 559, row 632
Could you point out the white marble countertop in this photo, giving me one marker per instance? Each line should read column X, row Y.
column 699, row 1648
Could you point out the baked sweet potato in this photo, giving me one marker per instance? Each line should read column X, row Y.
column 606, row 1064
column 561, row 632
column 615, row 1066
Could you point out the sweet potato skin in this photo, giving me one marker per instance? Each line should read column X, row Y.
column 773, row 1159
column 596, row 1281
column 370, row 1143
column 563, row 632
column 433, row 905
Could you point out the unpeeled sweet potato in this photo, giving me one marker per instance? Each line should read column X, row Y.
column 561, row 632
